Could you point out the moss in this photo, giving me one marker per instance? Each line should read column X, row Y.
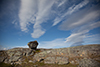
column 41, row 64
column 38, row 51
column 5, row 65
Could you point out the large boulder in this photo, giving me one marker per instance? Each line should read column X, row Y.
column 33, row 44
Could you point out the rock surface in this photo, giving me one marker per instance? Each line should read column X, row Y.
column 15, row 55
column 82, row 55
column 88, row 63
column 72, row 54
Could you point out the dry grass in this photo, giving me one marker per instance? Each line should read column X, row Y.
column 41, row 64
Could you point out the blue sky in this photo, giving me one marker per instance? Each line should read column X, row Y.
column 53, row 23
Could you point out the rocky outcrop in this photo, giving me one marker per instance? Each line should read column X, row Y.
column 3, row 56
column 88, row 63
column 15, row 55
column 69, row 55
column 56, row 60
column 33, row 45
column 81, row 55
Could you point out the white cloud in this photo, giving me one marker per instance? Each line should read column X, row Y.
column 35, row 12
column 77, row 7
column 92, row 39
column 56, row 21
column 57, row 43
column 27, row 13
column 37, row 33
column 62, row 3
column 87, row 18
column 26, row 46
column 81, row 25
column 4, row 47
column 77, row 37
column 80, row 18
column 44, row 8
column 70, row 10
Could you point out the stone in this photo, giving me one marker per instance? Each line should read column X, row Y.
column 30, row 61
column 33, row 45
column 2, row 59
column 49, row 60
column 56, row 60
column 62, row 60
column 3, row 56
column 30, row 52
column 54, row 56
column 72, row 62
column 14, row 58
column 88, row 63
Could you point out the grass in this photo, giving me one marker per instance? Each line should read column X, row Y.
column 41, row 64
column 5, row 65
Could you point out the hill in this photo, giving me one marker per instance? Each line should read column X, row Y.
column 81, row 56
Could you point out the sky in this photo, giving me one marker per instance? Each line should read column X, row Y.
column 53, row 23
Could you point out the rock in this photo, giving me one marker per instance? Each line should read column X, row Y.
column 62, row 60
column 30, row 52
column 88, row 63
column 33, row 44
column 30, row 61
column 15, row 55
column 49, row 60
column 14, row 59
column 3, row 56
column 53, row 56
column 72, row 62
column 56, row 60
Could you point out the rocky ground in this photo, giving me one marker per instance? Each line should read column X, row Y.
column 79, row 56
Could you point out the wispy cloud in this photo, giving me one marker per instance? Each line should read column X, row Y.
column 70, row 10
column 81, row 25
column 27, row 13
column 57, row 43
column 43, row 14
column 92, row 39
column 77, row 37
column 4, row 48
column 76, row 17
column 26, row 46
column 35, row 12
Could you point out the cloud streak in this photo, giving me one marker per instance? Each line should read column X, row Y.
column 43, row 14
column 56, row 43
column 82, row 27
column 79, row 17
column 35, row 12
column 27, row 13
column 70, row 10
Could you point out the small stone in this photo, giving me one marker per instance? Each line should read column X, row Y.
column 30, row 61
column 72, row 62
